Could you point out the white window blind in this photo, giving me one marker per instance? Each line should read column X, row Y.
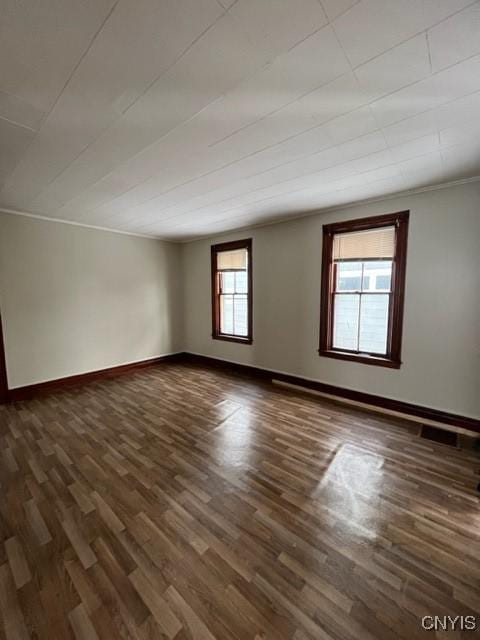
column 365, row 245
column 235, row 260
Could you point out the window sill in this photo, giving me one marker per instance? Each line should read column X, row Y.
column 361, row 358
column 237, row 339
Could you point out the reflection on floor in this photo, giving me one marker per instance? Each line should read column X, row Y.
column 181, row 502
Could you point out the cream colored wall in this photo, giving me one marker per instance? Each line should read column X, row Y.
column 441, row 339
column 75, row 299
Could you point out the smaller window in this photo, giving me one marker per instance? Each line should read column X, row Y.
column 363, row 281
column 232, row 291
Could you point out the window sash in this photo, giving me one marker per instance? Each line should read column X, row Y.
column 236, row 297
column 361, row 294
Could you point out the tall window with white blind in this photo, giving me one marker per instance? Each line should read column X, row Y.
column 232, row 291
column 363, row 276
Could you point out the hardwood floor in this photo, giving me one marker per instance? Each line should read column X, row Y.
column 180, row 502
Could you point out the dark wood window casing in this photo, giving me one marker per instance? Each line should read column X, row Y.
column 392, row 357
column 3, row 369
column 217, row 293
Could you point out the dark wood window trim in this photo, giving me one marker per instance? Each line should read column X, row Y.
column 3, row 369
column 394, row 338
column 215, row 250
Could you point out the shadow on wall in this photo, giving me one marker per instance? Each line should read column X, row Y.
column 171, row 325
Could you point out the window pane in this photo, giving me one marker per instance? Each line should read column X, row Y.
column 383, row 283
column 226, row 314
column 241, row 315
column 241, row 283
column 377, row 275
column 374, row 323
column 228, row 282
column 345, row 329
column 349, row 276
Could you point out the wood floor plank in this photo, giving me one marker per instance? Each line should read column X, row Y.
column 195, row 627
column 37, row 522
column 81, row 497
column 18, row 562
column 81, row 624
column 81, row 546
column 12, row 617
column 107, row 514
column 159, row 608
column 83, row 585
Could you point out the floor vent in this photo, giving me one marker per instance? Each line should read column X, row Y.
column 439, row 435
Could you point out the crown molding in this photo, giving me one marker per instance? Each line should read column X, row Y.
column 354, row 203
column 37, row 216
column 338, row 207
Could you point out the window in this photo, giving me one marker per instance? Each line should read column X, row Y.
column 232, row 291
column 363, row 282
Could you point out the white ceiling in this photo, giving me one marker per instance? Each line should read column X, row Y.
column 179, row 118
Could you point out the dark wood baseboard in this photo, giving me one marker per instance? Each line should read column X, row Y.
column 234, row 368
column 23, row 393
column 407, row 408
